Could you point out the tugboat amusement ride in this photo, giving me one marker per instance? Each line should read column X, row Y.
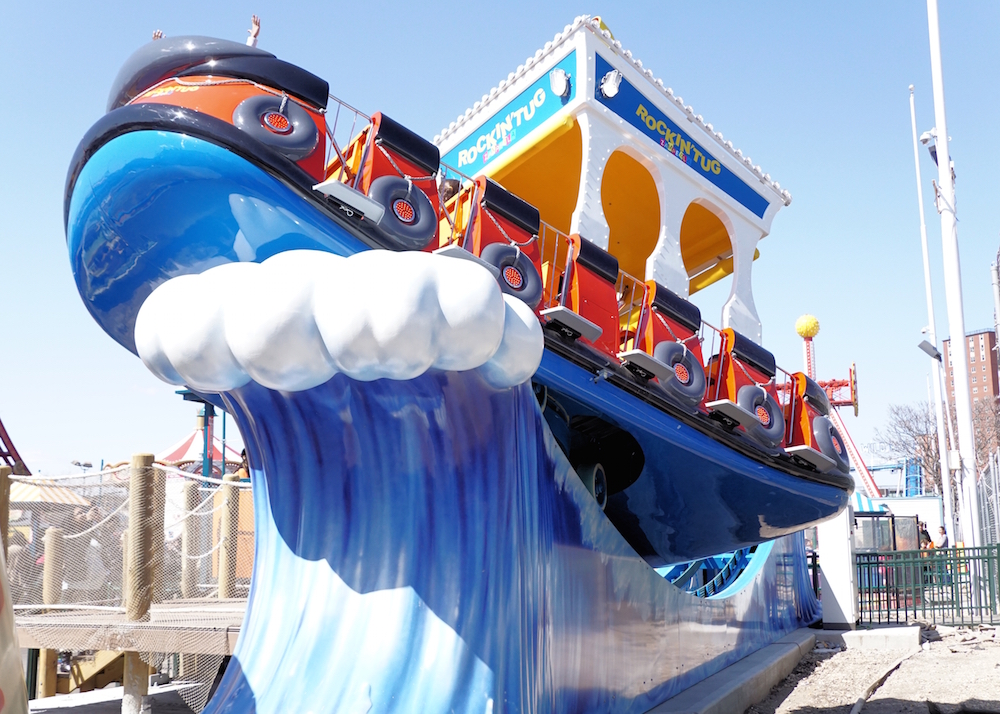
column 500, row 460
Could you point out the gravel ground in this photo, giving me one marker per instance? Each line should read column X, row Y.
column 956, row 670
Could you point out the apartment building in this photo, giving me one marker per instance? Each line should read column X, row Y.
column 981, row 356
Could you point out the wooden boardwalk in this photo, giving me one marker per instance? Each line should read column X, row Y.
column 193, row 626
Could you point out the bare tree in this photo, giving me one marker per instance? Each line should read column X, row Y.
column 910, row 432
column 985, row 422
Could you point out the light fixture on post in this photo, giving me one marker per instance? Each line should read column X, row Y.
column 932, row 351
column 929, row 139
column 82, row 465
column 560, row 82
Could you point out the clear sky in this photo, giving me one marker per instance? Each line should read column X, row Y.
column 816, row 93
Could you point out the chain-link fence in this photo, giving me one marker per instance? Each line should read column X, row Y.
column 144, row 557
column 989, row 501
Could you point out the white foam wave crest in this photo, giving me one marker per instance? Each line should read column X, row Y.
column 293, row 321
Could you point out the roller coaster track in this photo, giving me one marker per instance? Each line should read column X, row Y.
column 9, row 455
column 730, row 570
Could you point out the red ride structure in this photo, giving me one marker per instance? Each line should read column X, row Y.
column 9, row 455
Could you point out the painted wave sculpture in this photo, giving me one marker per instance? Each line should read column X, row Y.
column 460, row 486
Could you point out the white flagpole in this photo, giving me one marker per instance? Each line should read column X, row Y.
column 953, row 290
column 949, row 517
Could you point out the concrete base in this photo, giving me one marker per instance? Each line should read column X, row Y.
column 903, row 638
column 744, row 683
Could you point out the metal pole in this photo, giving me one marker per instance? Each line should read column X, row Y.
column 953, row 286
column 996, row 297
column 223, row 441
column 949, row 516
column 208, row 417
column 996, row 496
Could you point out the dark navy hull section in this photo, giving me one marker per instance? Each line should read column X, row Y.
column 694, row 497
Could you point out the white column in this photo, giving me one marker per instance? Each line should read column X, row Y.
column 838, row 571
column 739, row 312
column 953, row 289
column 665, row 264
column 599, row 142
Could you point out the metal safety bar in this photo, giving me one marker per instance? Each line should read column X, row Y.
column 344, row 124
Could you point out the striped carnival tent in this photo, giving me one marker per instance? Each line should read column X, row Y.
column 191, row 449
column 22, row 493
column 861, row 502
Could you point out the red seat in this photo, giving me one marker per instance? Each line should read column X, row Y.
column 397, row 151
column 809, row 428
column 742, row 374
column 669, row 331
column 590, row 291
column 669, row 317
column 485, row 213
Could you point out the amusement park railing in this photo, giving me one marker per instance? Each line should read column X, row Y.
column 946, row 585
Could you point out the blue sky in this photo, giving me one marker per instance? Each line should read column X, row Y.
column 816, row 93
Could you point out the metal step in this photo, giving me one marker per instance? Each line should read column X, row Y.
column 571, row 324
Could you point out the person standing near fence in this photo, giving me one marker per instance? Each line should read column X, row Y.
column 941, row 540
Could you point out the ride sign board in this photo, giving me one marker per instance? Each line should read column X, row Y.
column 513, row 122
column 639, row 111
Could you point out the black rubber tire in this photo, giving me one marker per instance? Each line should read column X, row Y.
column 830, row 443
column 596, row 481
column 412, row 235
column 503, row 256
column 672, row 353
column 770, row 434
column 297, row 143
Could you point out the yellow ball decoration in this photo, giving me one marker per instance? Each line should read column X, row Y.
column 807, row 326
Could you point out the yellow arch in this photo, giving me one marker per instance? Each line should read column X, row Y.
column 706, row 248
column 632, row 209
column 546, row 174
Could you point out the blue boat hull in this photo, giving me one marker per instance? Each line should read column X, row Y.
column 162, row 204
column 425, row 545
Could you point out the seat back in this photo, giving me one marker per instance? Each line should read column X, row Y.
column 740, row 362
column 484, row 212
column 668, row 316
column 808, row 401
column 414, row 156
column 590, row 291
column 387, row 148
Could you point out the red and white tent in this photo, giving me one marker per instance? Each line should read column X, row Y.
column 192, row 449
